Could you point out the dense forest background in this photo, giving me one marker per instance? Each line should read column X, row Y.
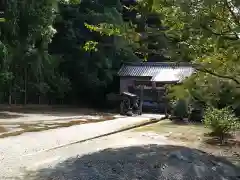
column 50, row 55
column 68, row 52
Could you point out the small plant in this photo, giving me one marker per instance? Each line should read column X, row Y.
column 221, row 121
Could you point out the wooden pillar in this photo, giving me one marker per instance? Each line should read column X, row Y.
column 165, row 102
column 158, row 98
column 141, row 97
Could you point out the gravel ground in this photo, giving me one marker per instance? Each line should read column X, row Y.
column 28, row 166
column 126, row 156
column 123, row 156
column 15, row 150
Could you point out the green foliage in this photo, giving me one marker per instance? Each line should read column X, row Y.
column 181, row 109
column 93, row 52
column 90, row 46
column 75, row 47
column 205, row 33
column 71, row 48
column 177, row 92
column 141, row 33
column 220, row 121
column 106, row 29
column 25, row 62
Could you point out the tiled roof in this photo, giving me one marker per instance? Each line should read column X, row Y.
column 160, row 72
column 173, row 74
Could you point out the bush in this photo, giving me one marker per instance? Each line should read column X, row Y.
column 180, row 109
column 220, row 121
column 196, row 112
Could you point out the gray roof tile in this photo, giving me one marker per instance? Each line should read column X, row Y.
column 160, row 72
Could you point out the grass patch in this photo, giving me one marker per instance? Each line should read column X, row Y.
column 190, row 132
column 197, row 136
column 2, row 19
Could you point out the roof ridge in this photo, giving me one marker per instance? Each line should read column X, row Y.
column 157, row 63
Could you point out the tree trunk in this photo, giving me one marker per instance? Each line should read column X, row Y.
column 221, row 138
column 10, row 98
column 39, row 99
column 15, row 100
column 25, row 86
column 10, row 95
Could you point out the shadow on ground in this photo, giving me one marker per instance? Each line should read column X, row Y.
column 142, row 162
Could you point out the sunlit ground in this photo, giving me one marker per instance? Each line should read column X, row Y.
column 196, row 136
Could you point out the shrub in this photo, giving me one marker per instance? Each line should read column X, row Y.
column 180, row 109
column 196, row 112
column 220, row 121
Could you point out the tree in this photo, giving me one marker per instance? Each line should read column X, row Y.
column 76, row 47
column 141, row 28
column 90, row 59
column 205, row 33
column 25, row 36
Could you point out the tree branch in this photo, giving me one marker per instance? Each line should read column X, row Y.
column 235, row 33
column 202, row 69
column 219, row 34
column 230, row 8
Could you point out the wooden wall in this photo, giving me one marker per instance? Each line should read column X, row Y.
column 126, row 82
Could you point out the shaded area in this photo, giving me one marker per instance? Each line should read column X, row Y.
column 142, row 162
column 228, row 142
column 229, row 139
